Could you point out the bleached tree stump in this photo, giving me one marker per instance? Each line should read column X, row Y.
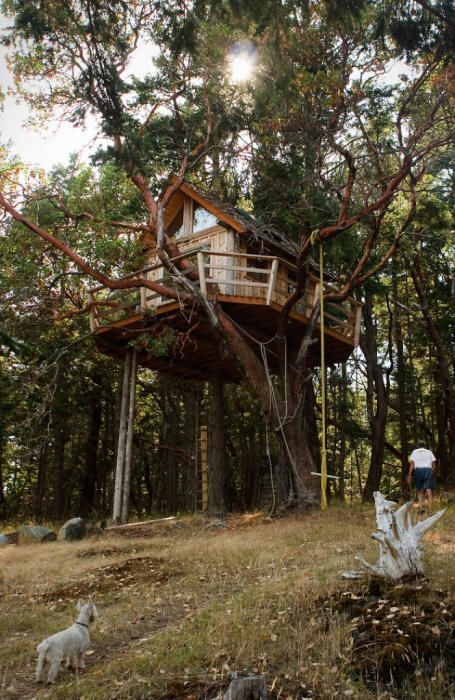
column 400, row 542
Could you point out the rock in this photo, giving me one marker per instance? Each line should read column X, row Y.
column 4, row 539
column 36, row 533
column 217, row 524
column 74, row 529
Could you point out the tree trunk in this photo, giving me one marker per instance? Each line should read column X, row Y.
column 378, row 410
column 88, row 489
column 129, row 439
column 443, row 363
column 343, row 415
column 2, row 487
column 285, row 418
column 400, row 378
column 217, row 475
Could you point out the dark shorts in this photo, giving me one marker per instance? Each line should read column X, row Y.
column 424, row 479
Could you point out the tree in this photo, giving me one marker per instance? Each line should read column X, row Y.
column 352, row 143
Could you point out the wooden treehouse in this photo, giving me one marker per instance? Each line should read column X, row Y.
column 247, row 267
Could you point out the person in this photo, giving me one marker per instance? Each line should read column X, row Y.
column 422, row 463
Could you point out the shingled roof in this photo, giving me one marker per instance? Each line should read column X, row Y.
column 252, row 227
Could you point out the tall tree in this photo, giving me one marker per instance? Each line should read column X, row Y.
column 353, row 143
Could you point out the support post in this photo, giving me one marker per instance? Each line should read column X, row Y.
column 143, row 304
column 272, row 280
column 129, row 439
column 118, row 487
column 201, row 270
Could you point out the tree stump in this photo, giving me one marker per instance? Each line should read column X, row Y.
column 249, row 687
column 400, row 545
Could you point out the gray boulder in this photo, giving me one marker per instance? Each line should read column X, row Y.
column 36, row 533
column 74, row 529
column 4, row 539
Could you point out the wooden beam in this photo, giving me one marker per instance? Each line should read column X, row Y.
column 143, row 523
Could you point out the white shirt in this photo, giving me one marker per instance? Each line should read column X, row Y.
column 422, row 458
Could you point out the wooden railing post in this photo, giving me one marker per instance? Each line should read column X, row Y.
column 272, row 281
column 201, row 269
column 143, row 298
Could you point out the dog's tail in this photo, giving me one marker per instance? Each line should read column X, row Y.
column 43, row 647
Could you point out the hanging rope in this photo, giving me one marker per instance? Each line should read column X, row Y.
column 323, row 382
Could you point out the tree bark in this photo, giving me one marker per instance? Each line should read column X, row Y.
column 343, row 416
column 443, row 365
column 217, row 475
column 378, row 398
column 129, row 439
column 400, row 378
column 88, row 489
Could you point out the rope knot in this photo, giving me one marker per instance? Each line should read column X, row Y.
column 314, row 236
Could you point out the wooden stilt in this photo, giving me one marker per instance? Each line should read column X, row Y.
column 117, row 511
column 129, row 439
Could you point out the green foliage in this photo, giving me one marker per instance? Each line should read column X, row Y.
column 160, row 345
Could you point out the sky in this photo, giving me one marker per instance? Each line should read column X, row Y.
column 55, row 143
column 43, row 147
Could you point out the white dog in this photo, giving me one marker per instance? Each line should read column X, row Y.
column 70, row 643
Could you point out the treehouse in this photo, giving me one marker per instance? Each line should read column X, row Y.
column 247, row 267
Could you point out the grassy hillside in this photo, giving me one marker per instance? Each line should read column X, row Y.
column 181, row 606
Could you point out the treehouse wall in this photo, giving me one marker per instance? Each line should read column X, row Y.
column 216, row 238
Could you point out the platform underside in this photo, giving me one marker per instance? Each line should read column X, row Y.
column 196, row 355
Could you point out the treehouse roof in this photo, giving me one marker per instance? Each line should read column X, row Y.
column 243, row 223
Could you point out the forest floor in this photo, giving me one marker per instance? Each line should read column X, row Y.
column 181, row 606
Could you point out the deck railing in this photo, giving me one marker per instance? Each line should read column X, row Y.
column 235, row 276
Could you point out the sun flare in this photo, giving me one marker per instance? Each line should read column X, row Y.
column 241, row 67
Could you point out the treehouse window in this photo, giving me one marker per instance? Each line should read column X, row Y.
column 203, row 219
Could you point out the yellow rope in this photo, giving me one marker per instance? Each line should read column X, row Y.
column 323, row 380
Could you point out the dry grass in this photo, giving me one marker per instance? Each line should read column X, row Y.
column 182, row 606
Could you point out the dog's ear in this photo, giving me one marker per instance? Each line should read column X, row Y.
column 79, row 605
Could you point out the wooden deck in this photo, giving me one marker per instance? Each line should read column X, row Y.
column 251, row 289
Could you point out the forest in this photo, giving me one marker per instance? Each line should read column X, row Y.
column 342, row 136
